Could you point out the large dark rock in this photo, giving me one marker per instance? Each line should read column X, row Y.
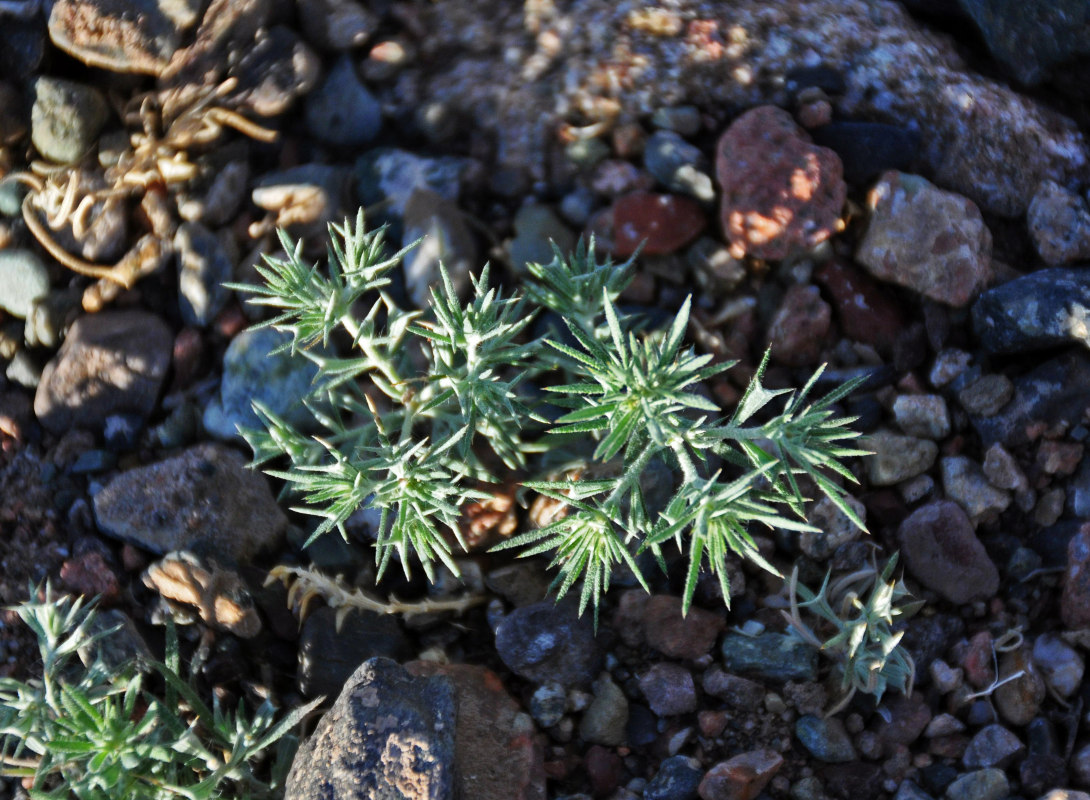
column 328, row 657
column 389, row 736
column 549, row 642
column 1048, row 308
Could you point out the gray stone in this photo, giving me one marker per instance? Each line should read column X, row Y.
column 1059, row 224
column 23, row 281
column 942, row 552
column 669, row 689
column 537, row 228
column 342, row 112
column 389, row 176
column 834, row 528
column 677, row 779
column 389, row 735
column 203, row 267
column 825, row 739
column 548, row 704
column 112, row 362
column 992, row 746
column 66, row 118
column 964, row 481
column 1047, row 308
column 445, row 239
column 606, row 717
column 678, row 165
column 984, row 784
column 775, row 656
column 923, row 416
column 252, row 372
column 897, row 458
column 204, row 500
column 549, row 642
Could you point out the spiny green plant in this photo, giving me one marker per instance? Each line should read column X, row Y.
column 90, row 729
column 862, row 643
column 429, row 404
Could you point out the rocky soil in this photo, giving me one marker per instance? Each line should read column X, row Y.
column 895, row 189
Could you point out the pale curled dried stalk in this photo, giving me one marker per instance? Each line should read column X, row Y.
column 304, row 584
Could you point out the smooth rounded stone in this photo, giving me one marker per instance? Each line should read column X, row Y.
column 328, row 655
column 498, row 754
column 834, row 528
column 336, row 25
column 1075, row 600
column 1030, row 40
column 964, row 481
column 678, row 778
column 1059, row 224
column 1043, row 309
column 677, row 636
column 112, row 362
column 305, row 198
column 992, row 746
column 388, row 732
column 782, row 194
column 537, row 229
column 775, row 656
column 654, row 224
column 678, row 165
column 11, row 198
column 897, row 458
column 669, row 689
column 1050, row 394
column 548, row 704
column 121, row 35
column 65, row 118
column 825, row 739
column 203, row 500
column 867, row 149
column 549, row 642
column 942, row 552
column 203, row 268
column 251, row 371
column 23, row 281
column 606, row 718
column 741, row 777
column 925, row 239
column 341, row 111
column 924, row 416
column 445, row 240
column 984, row 784
column 1019, row 700
column 798, row 329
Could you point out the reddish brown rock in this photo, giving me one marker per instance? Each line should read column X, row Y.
column 931, row 241
column 661, row 222
column 604, row 770
column 798, row 329
column 91, row 576
column 1075, row 602
column 498, row 752
column 782, row 194
column 741, row 777
column 865, row 311
column 673, row 635
column 942, row 552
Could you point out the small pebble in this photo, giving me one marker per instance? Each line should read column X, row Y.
column 341, row 111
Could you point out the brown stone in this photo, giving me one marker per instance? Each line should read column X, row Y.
column 742, row 777
column 673, row 635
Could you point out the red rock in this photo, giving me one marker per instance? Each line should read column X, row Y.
column 866, row 313
column 1075, row 602
column 91, row 576
column 978, row 660
column 712, row 723
column 662, row 222
column 628, row 616
column 782, row 194
column 673, row 635
column 742, row 777
column 186, row 358
column 499, row 754
column 942, row 552
column 908, row 718
column 1059, row 458
column 604, row 770
column 799, row 326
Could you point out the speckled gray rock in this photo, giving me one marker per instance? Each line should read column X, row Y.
column 251, row 372
column 775, row 656
column 669, row 689
column 897, row 458
column 1059, row 224
column 922, row 415
column 113, row 362
column 1047, row 308
column 342, row 112
column 23, row 280
column 66, row 118
column 943, row 553
column 964, row 481
column 549, row 642
column 204, row 500
column 825, row 739
column 203, row 267
column 389, row 735
column 677, row 779
column 834, row 528
column 1049, row 394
